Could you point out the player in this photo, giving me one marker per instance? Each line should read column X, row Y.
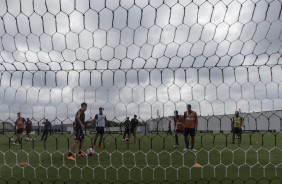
column 236, row 125
column 79, row 135
column 101, row 121
column 126, row 129
column 20, row 122
column 178, row 123
column 47, row 126
column 28, row 127
column 133, row 127
column 190, row 127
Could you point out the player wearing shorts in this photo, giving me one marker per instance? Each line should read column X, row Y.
column 178, row 124
column 47, row 127
column 101, row 121
column 133, row 126
column 28, row 127
column 190, row 127
column 236, row 125
column 79, row 135
column 20, row 123
column 126, row 129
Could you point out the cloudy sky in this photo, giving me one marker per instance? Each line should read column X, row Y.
column 139, row 57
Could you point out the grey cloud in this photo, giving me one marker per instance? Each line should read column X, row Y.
column 204, row 45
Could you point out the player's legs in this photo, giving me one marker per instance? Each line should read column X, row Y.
column 96, row 136
column 124, row 134
column 240, row 135
column 101, row 136
column 81, row 141
column 128, row 133
column 236, row 132
column 186, row 138
column 233, row 136
column 95, row 139
column 193, row 134
column 73, row 146
column 27, row 133
column 72, row 149
column 176, row 138
column 18, row 136
column 46, row 135
column 43, row 135
column 134, row 134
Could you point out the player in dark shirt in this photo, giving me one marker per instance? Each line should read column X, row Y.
column 28, row 127
column 79, row 135
column 126, row 129
column 134, row 124
column 47, row 126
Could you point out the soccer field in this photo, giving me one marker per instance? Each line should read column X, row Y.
column 151, row 159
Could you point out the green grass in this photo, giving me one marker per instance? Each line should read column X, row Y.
column 152, row 158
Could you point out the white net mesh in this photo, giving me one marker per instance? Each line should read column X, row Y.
column 147, row 58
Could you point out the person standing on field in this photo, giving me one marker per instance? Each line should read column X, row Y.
column 79, row 135
column 47, row 126
column 190, row 127
column 178, row 124
column 20, row 123
column 133, row 127
column 28, row 128
column 101, row 121
column 236, row 126
column 126, row 129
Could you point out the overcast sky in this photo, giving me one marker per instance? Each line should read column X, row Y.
column 139, row 57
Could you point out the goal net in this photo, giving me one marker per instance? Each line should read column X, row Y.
column 144, row 58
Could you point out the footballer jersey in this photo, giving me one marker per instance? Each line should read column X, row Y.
column 178, row 123
column 190, row 120
column 81, row 115
column 134, row 122
column 28, row 125
column 127, row 124
column 20, row 123
column 100, row 120
column 237, row 122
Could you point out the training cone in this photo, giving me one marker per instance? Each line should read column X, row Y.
column 23, row 163
column 197, row 165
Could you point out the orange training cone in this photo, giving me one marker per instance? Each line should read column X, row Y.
column 197, row 165
column 23, row 163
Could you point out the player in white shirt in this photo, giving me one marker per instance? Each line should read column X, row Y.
column 101, row 121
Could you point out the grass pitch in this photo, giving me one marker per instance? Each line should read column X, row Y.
column 151, row 159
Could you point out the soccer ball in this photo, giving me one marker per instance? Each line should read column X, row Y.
column 90, row 151
column 27, row 139
column 12, row 140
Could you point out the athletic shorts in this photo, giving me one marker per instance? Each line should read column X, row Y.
column 133, row 130
column 28, row 131
column 100, row 130
column 79, row 135
column 179, row 131
column 190, row 131
column 127, row 130
column 45, row 131
column 20, row 131
column 237, row 130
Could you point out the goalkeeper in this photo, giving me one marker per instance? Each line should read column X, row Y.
column 236, row 125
